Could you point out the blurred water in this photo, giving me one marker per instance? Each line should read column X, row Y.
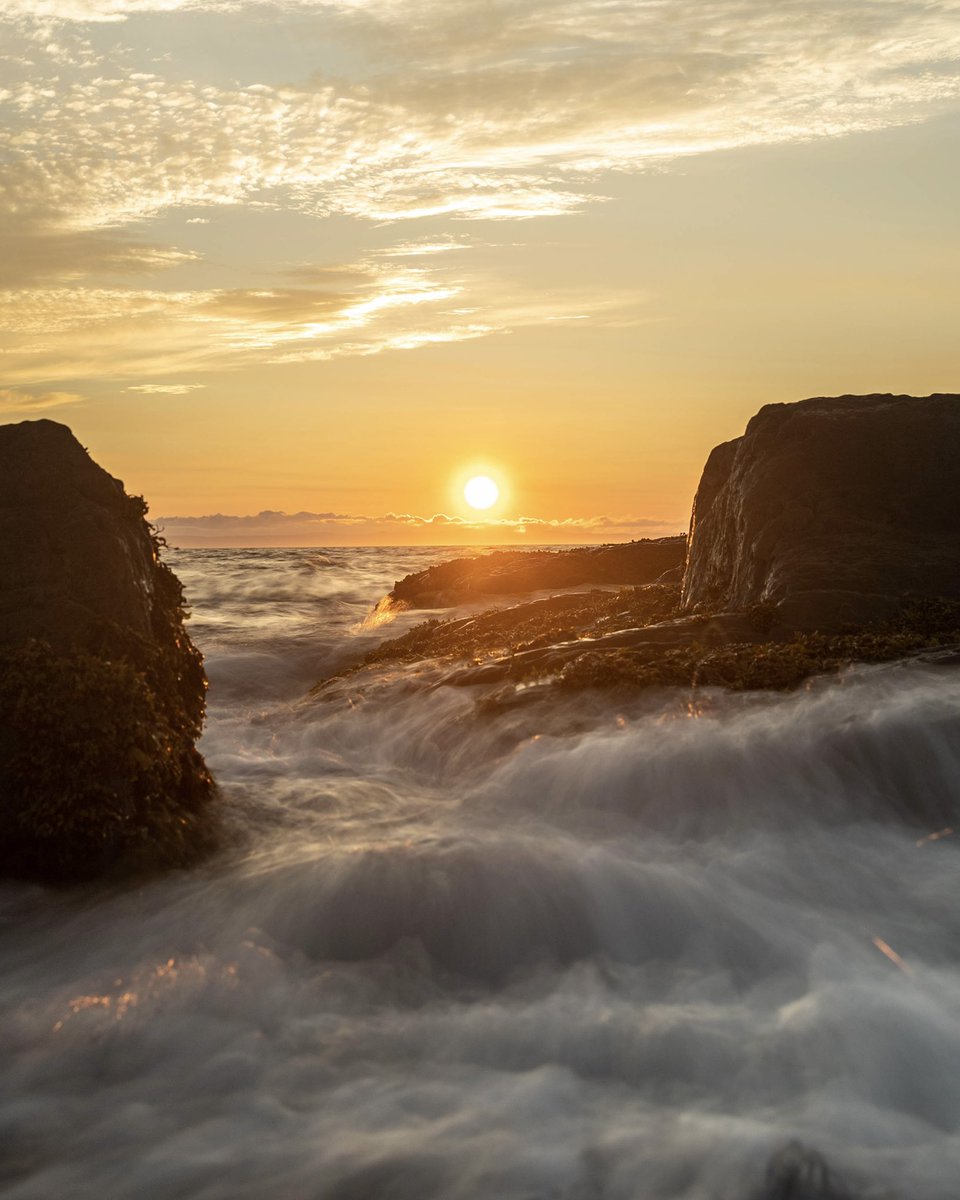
column 467, row 957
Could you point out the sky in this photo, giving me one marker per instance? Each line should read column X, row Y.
column 296, row 271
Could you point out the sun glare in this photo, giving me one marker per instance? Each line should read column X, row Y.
column 481, row 492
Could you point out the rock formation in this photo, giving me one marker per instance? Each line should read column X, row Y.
column 514, row 572
column 828, row 534
column 830, row 510
column 101, row 690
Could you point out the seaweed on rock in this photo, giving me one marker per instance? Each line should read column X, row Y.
column 102, row 692
column 98, row 772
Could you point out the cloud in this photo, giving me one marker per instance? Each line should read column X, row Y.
column 328, row 529
column 418, row 249
column 447, row 110
column 166, row 389
column 93, row 10
column 31, row 253
column 73, row 333
column 468, row 111
column 14, row 401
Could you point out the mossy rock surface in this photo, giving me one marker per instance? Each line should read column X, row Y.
column 101, row 690
column 96, row 777
column 531, row 626
column 625, row 642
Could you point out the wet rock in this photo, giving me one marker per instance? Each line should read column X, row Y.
column 101, row 690
column 533, row 628
column 831, row 511
column 514, row 572
column 828, row 534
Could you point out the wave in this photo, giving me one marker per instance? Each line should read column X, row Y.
column 594, row 951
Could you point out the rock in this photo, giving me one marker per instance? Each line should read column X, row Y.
column 101, row 689
column 830, row 511
column 514, row 572
column 797, row 1172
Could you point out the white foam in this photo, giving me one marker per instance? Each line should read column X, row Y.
column 457, row 961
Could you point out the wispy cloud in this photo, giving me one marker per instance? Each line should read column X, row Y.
column 13, row 400
column 96, row 10
column 471, row 111
column 166, row 389
column 447, row 111
column 417, row 249
column 126, row 334
column 32, row 253
column 329, row 529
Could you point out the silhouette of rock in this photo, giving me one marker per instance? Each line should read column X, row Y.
column 514, row 572
column 795, row 1172
column 831, row 510
column 101, row 690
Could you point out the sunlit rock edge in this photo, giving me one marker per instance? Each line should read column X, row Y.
column 829, row 533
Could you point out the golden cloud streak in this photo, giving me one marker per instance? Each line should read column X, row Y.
column 97, row 333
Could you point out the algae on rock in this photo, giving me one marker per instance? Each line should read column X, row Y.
column 101, row 690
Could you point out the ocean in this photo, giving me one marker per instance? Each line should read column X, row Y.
column 610, row 952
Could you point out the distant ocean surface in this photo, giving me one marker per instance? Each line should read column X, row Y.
column 628, row 961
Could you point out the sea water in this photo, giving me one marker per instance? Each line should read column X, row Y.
column 601, row 952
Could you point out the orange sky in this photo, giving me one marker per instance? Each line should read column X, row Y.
column 331, row 257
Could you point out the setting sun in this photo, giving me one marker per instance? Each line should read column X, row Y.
column 481, row 492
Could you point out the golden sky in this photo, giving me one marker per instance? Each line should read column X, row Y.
column 321, row 261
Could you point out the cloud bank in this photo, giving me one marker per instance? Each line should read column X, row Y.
column 269, row 528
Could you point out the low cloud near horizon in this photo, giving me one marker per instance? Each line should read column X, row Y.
column 14, row 401
column 269, row 528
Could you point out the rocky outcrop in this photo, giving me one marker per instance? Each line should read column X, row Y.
column 830, row 511
column 515, row 572
column 101, row 690
column 828, row 534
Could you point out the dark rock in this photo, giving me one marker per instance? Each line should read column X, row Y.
column 101, row 690
column 830, row 510
column 796, row 1172
column 514, row 572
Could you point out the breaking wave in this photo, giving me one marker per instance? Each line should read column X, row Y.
column 597, row 953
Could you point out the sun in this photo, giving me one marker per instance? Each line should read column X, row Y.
column 481, row 492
